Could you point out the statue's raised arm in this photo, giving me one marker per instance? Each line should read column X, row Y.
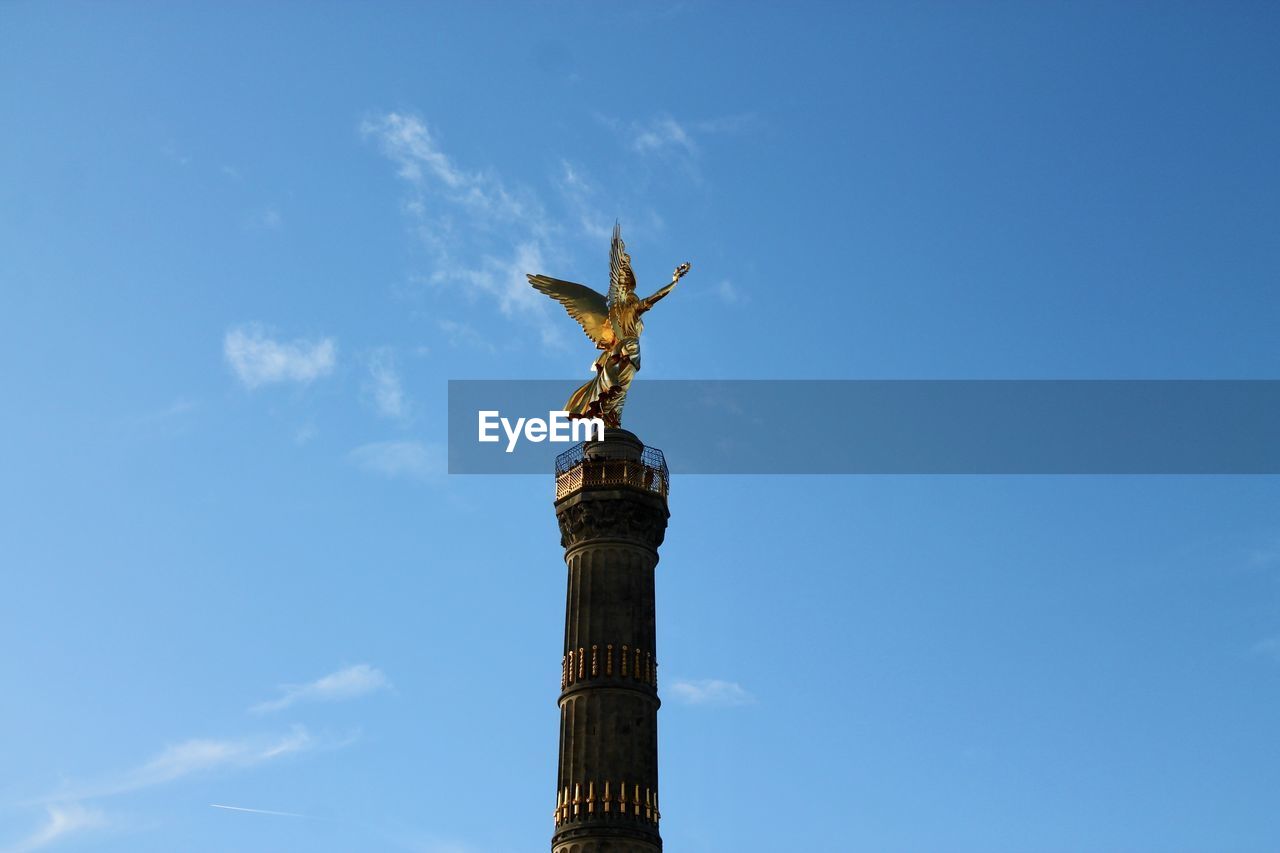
column 650, row 301
column 613, row 323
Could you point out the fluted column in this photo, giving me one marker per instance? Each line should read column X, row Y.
column 611, row 525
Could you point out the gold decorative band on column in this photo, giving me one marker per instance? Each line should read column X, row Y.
column 632, row 665
column 630, row 803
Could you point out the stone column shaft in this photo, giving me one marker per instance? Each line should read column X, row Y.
column 607, row 780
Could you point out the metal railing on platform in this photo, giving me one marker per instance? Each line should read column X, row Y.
column 574, row 472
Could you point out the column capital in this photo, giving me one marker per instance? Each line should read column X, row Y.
column 618, row 514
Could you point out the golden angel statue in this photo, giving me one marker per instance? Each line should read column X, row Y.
column 614, row 324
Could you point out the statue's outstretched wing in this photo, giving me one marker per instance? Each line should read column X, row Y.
column 619, row 266
column 583, row 304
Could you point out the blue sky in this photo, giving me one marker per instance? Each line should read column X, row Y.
column 243, row 249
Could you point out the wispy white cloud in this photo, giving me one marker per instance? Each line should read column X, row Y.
column 663, row 133
column 346, row 683
column 1270, row 647
column 61, row 821
column 659, row 133
column 584, row 205
column 258, row 359
column 411, row 145
column 385, row 387
column 710, row 691
column 191, row 757
column 672, row 141
column 305, row 434
column 66, row 813
column 200, row 755
column 407, row 140
column 410, row 460
column 728, row 293
column 578, row 193
column 178, row 156
column 1265, row 556
column 464, row 335
column 174, row 410
column 204, row 755
column 504, row 280
column 180, row 406
column 267, row 219
column 483, row 236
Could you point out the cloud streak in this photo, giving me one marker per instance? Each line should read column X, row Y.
column 347, row 683
column 61, row 821
column 729, row 294
column 411, row 460
column 578, row 192
column 482, row 235
column 66, row 814
column 200, row 755
column 191, row 757
column 660, row 133
column 258, row 359
column 385, row 387
column 667, row 141
column 267, row 219
column 1269, row 648
column 710, row 692
column 1266, row 556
